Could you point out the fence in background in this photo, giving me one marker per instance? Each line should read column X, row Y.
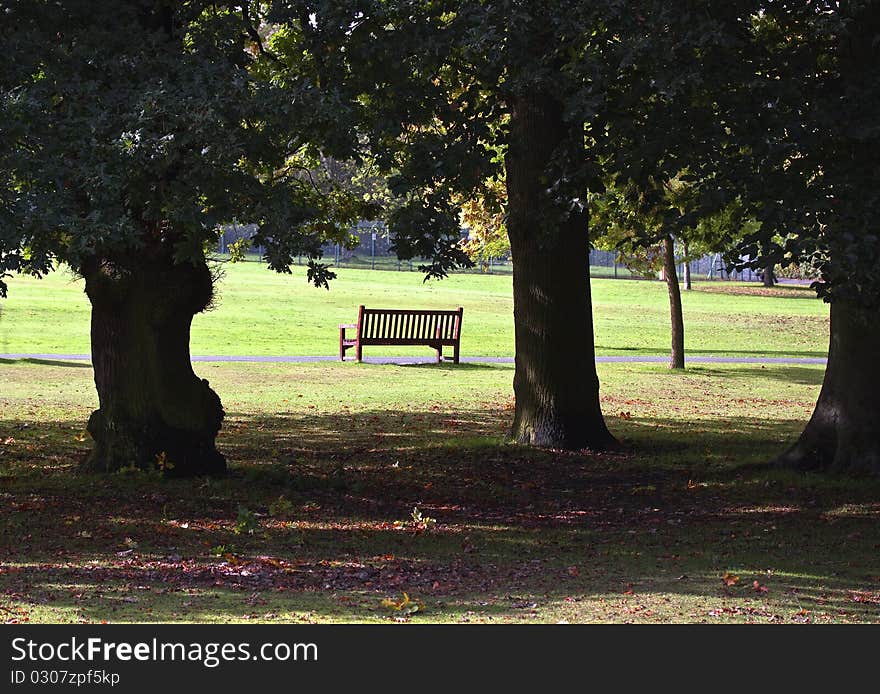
column 373, row 252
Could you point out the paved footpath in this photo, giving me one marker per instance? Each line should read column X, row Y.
column 637, row 359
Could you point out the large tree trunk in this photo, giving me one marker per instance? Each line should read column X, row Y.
column 844, row 431
column 555, row 383
column 154, row 412
column 676, row 356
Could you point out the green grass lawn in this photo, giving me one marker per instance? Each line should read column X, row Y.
column 315, row 521
column 259, row 312
column 351, row 485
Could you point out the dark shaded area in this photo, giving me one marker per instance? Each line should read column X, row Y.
column 801, row 375
column 516, row 528
column 446, row 366
column 778, row 291
column 650, row 351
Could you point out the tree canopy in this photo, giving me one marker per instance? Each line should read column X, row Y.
column 136, row 122
column 812, row 144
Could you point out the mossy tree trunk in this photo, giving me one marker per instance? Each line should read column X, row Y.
column 555, row 381
column 844, row 432
column 153, row 410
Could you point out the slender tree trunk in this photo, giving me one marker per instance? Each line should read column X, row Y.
column 555, row 382
column 687, row 270
column 676, row 356
column 844, row 431
column 154, row 411
column 768, row 277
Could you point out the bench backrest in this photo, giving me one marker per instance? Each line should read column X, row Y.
column 402, row 324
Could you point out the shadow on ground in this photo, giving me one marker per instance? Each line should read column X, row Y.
column 49, row 362
column 325, row 515
column 652, row 352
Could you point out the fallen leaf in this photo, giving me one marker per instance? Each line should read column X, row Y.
column 405, row 606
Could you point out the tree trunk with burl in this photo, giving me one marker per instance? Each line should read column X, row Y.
column 154, row 412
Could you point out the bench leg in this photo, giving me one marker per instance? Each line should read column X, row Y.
column 341, row 345
column 439, row 349
column 455, row 353
column 359, row 351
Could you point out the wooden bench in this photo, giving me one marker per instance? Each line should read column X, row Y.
column 393, row 327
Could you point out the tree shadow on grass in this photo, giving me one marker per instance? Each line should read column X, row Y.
column 733, row 572
column 317, row 517
column 461, row 455
column 647, row 351
column 780, row 291
column 801, row 375
column 49, row 362
column 461, row 366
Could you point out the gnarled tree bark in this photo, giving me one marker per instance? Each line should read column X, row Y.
column 154, row 411
column 844, row 432
column 555, row 382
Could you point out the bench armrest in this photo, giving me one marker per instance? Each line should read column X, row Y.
column 348, row 325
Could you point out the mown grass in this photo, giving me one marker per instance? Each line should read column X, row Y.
column 259, row 312
column 327, row 462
